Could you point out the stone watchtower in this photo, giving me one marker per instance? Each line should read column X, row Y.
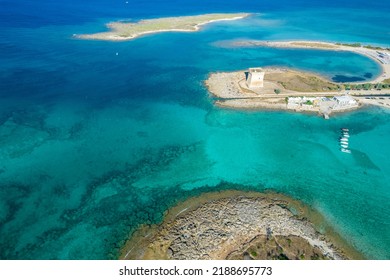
column 255, row 78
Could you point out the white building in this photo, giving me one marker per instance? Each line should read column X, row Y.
column 295, row 100
column 345, row 101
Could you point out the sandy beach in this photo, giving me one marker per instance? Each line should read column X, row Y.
column 123, row 31
column 239, row 225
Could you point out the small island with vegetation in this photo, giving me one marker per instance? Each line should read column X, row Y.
column 122, row 31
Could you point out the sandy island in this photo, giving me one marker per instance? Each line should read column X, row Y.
column 122, row 31
column 288, row 89
column 239, row 225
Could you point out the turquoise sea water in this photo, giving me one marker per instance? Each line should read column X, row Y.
column 93, row 143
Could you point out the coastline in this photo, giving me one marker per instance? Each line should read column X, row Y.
column 100, row 137
column 286, row 219
column 119, row 31
column 233, row 91
column 319, row 45
column 230, row 90
column 255, row 106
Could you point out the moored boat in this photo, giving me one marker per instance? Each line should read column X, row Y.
column 344, row 141
column 348, row 151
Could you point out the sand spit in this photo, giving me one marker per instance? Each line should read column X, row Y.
column 122, row 31
column 381, row 56
column 238, row 225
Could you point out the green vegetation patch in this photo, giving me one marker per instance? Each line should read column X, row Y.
column 301, row 82
column 387, row 81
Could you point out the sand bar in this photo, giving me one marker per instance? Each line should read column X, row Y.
column 122, row 31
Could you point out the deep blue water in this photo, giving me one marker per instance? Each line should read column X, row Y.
column 93, row 144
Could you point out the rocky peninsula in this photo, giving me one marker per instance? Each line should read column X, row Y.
column 281, row 89
column 122, row 31
column 289, row 89
column 238, row 225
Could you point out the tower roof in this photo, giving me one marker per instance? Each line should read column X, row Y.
column 255, row 69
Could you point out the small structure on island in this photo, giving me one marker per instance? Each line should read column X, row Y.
column 345, row 101
column 255, row 78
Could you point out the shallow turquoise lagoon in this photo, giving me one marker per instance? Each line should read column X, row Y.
column 93, row 143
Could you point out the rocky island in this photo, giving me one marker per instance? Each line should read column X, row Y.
column 238, row 225
column 122, row 31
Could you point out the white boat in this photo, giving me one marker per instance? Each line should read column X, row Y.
column 348, row 151
column 345, row 129
column 346, row 135
column 344, row 145
column 344, row 139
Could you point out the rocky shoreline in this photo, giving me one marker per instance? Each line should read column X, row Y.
column 236, row 225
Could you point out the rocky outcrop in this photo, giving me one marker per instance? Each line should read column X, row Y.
column 236, row 227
